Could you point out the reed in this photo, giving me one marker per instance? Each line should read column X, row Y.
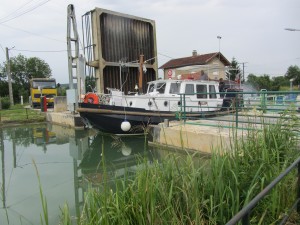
column 44, row 219
column 195, row 190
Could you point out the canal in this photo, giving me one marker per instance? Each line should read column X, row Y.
column 68, row 162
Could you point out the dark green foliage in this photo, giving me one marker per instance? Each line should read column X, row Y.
column 5, row 102
column 265, row 82
column 293, row 73
column 234, row 71
column 22, row 70
column 3, row 88
column 90, row 83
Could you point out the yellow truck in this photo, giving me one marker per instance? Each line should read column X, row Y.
column 40, row 87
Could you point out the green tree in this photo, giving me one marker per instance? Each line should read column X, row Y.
column 3, row 88
column 280, row 81
column 293, row 72
column 3, row 81
column 234, row 70
column 264, row 82
column 260, row 82
column 22, row 70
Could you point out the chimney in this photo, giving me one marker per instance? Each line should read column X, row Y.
column 194, row 53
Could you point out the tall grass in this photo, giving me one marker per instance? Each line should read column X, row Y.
column 193, row 190
column 43, row 218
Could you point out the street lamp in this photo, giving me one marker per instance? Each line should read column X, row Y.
column 292, row 29
column 219, row 37
column 291, row 80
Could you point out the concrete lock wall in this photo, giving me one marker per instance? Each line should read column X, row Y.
column 200, row 138
column 60, row 104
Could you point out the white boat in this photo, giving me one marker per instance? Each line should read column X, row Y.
column 165, row 99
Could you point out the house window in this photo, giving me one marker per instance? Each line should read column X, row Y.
column 216, row 68
column 202, row 90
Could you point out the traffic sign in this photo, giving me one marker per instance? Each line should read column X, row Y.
column 170, row 72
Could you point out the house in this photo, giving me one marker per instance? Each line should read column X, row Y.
column 213, row 64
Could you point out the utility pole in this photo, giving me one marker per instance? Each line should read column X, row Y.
column 243, row 79
column 11, row 98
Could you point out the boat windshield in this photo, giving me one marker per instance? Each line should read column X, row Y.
column 151, row 88
column 160, row 87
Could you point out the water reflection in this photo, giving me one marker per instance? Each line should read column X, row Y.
column 69, row 161
column 111, row 155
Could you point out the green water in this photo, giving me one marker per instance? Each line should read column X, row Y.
column 68, row 162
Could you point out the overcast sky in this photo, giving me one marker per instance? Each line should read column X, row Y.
column 252, row 31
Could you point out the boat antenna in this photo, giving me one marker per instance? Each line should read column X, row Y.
column 125, row 80
column 122, row 64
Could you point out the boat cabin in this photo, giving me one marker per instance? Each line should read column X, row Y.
column 204, row 89
column 173, row 95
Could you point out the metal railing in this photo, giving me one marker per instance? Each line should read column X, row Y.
column 244, row 214
column 269, row 103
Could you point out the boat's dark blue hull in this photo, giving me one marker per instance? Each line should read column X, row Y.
column 109, row 118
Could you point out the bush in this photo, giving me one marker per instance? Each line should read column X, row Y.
column 5, row 102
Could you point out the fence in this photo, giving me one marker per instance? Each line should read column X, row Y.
column 271, row 105
column 238, row 103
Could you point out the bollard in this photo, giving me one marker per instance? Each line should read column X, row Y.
column 166, row 123
column 21, row 100
column 45, row 103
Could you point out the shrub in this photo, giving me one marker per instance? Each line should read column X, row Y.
column 5, row 102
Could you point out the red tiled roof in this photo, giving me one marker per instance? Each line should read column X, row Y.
column 194, row 60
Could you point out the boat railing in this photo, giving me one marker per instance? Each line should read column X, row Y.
column 239, row 103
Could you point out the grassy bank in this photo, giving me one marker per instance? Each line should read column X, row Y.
column 193, row 190
column 20, row 114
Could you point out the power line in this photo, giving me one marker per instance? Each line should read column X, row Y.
column 16, row 10
column 2, row 49
column 24, row 50
column 165, row 55
column 53, row 39
column 25, row 12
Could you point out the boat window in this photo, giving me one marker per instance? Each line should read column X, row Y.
column 151, row 88
column 174, row 88
column 202, row 90
column 212, row 91
column 189, row 89
column 160, row 87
